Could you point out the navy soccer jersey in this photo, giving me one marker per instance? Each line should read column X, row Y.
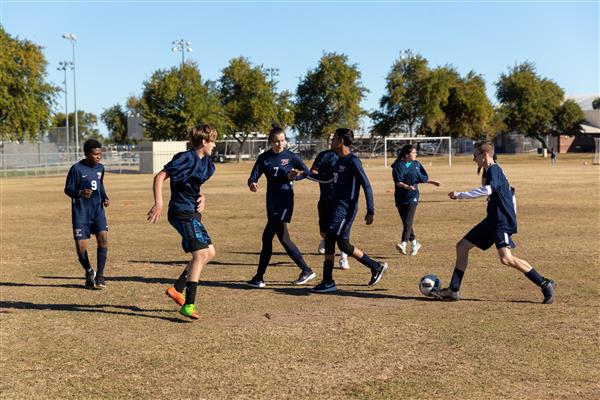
column 280, row 190
column 411, row 173
column 87, row 213
column 325, row 164
column 501, row 211
column 348, row 177
column 187, row 172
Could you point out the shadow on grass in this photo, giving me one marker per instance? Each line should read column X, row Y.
column 132, row 311
column 65, row 285
column 179, row 263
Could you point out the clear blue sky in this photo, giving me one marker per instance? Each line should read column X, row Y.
column 121, row 43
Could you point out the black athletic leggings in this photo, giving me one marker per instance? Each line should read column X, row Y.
column 407, row 215
column 279, row 228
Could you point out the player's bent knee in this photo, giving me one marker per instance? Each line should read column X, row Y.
column 345, row 246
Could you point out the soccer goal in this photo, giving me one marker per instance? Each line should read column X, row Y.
column 429, row 149
column 597, row 152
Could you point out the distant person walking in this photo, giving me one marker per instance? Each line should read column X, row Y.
column 552, row 156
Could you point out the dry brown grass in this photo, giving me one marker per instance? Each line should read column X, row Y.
column 61, row 341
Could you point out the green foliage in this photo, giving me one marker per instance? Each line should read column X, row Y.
column 175, row 100
column 25, row 97
column 568, row 119
column 468, row 111
column 115, row 120
column 87, row 124
column 405, row 103
column 529, row 103
column 329, row 97
column 248, row 98
column 433, row 102
column 596, row 103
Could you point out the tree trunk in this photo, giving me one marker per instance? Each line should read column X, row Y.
column 241, row 146
column 542, row 140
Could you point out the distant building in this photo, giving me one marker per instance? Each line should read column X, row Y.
column 591, row 128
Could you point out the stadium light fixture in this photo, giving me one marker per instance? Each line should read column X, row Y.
column 183, row 46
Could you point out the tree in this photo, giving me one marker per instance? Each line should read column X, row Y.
column 596, row 103
column 87, row 124
column 528, row 102
column 249, row 100
column 468, row 112
column 568, row 119
column 115, row 120
column 405, row 102
column 175, row 100
column 329, row 97
column 26, row 98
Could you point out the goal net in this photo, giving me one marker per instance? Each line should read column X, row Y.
column 429, row 149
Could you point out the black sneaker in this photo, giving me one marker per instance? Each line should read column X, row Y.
column 100, row 282
column 446, row 294
column 325, row 287
column 305, row 277
column 89, row 279
column 256, row 283
column 548, row 287
column 376, row 274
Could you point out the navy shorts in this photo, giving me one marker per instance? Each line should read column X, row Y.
column 194, row 236
column 280, row 205
column 86, row 225
column 341, row 221
column 325, row 208
column 484, row 235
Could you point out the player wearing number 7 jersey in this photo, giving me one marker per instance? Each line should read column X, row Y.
column 275, row 164
column 85, row 187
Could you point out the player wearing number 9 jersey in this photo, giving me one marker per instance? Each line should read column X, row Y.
column 85, row 187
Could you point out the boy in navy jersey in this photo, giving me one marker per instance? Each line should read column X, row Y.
column 496, row 228
column 188, row 170
column 85, row 187
column 275, row 164
column 348, row 177
column 324, row 164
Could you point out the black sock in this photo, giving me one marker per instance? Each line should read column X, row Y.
column 369, row 262
column 102, row 252
column 328, row 271
column 535, row 277
column 84, row 260
column 181, row 281
column 190, row 292
column 457, row 276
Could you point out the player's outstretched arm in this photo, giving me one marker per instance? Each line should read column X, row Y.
column 472, row 194
column 154, row 212
column 434, row 183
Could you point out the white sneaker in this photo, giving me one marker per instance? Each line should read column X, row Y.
column 344, row 261
column 401, row 247
column 414, row 247
column 321, row 248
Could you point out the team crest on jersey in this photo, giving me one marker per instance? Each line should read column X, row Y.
column 285, row 161
column 341, row 168
column 99, row 174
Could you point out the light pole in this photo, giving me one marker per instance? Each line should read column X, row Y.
column 63, row 66
column 72, row 38
column 181, row 45
column 407, row 54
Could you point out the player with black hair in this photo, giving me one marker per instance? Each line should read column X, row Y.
column 348, row 177
column 496, row 228
column 188, row 170
column 407, row 173
column 325, row 163
column 275, row 164
column 85, row 187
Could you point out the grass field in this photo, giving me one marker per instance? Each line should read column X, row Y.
column 61, row 341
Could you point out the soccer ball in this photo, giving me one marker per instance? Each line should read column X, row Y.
column 429, row 283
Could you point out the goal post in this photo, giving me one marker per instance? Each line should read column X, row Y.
column 434, row 146
column 597, row 151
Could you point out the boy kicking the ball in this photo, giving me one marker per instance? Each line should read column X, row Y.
column 188, row 170
column 496, row 228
